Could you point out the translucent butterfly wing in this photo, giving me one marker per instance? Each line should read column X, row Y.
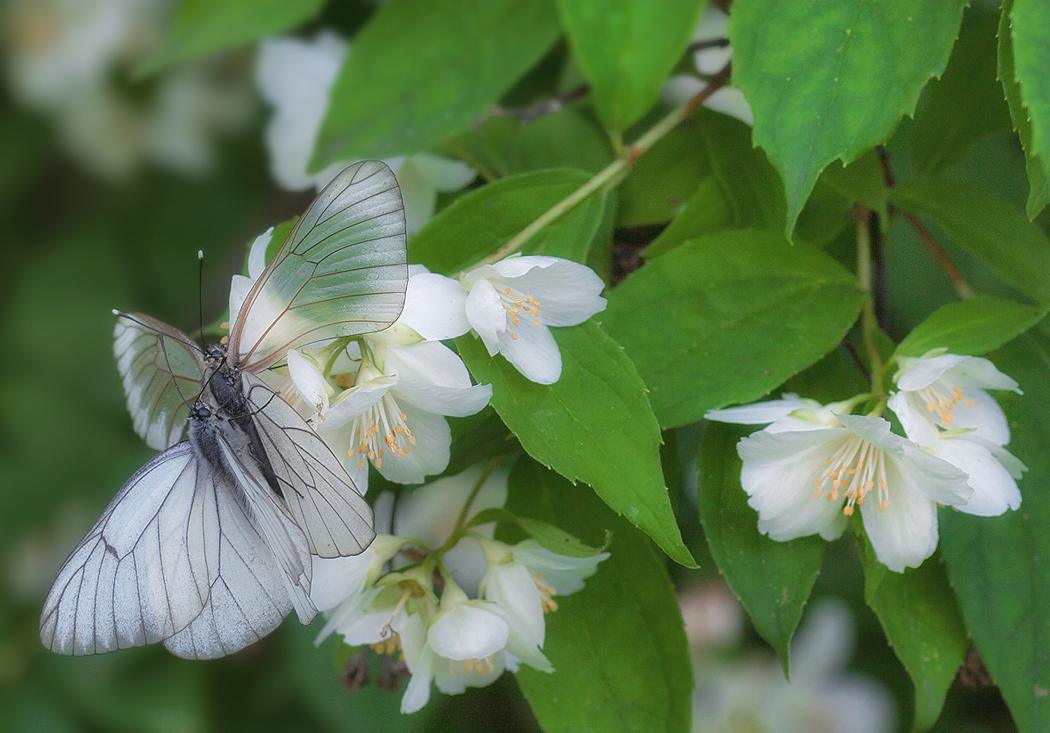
column 343, row 271
column 143, row 571
column 250, row 594
column 318, row 493
column 156, row 362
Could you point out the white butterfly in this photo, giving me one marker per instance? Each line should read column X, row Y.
column 207, row 547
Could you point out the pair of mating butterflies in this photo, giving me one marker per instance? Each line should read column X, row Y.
column 208, row 546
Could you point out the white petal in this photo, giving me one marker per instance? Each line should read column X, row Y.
column 435, row 307
column 779, row 473
column 452, row 678
column 418, row 194
column 308, row 380
column 444, row 173
column 429, row 513
column 467, row 631
column 486, row 315
column 257, row 254
column 918, row 373
column 451, row 401
column 512, row 587
column 824, row 643
column 565, row 574
column 239, row 287
column 994, row 489
column 762, row 413
column 353, row 402
column 977, row 372
column 984, row 416
column 568, row 292
column 516, row 266
column 429, row 361
column 337, row 578
column 905, row 532
column 429, row 455
column 465, row 562
column 914, row 417
column 730, row 101
column 534, row 352
column 420, row 661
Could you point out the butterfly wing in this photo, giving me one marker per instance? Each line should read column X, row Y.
column 161, row 369
column 144, row 569
column 320, row 496
column 343, row 271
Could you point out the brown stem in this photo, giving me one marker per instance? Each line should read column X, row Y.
column 958, row 281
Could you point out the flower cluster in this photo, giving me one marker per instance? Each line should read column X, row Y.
column 295, row 77
column 813, row 465
column 456, row 606
column 384, row 398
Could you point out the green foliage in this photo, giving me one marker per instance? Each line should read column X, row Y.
column 205, row 26
column 626, row 49
column 973, row 326
column 827, row 82
column 392, row 96
column 740, row 312
column 772, row 579
column 593, row 425
column 617, row 646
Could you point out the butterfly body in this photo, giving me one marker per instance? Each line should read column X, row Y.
column 208, row 546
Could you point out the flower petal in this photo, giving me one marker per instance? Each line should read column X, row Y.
column 924, row 371
column 429, row 513
column 565, row 574
column 994, row 489
column 435, row 307
column 419, row 659
column 512, row 587
column 308, row 380
column 568, row 292
column 914, row 417
column 428, row 455
column 534, row 353
column 468, row 631
column 444, row 173
column 486, row 314
column 975, row 371
column 353, row 402
column 762, row 413
column 904, row 533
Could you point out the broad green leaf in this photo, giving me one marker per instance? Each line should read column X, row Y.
column 988, row 227
column 1038, row 180
column 966, row 103
column 998, row 564
column 663, row 179
column 825, row 216
column 626, row 49
column 618, row 646
column 546, row 534
column 828, row 81
column 476, row 438
column 974, row 326
column 728, row 317
column 1035, row 165
column 743, row 190
column 772, row 579
column 1030, row 32
column 566, row 139
column 861, row 181
column 593, row 425
column 920, row 617
column 421, row 72
column 203, row 26
column 476, row 224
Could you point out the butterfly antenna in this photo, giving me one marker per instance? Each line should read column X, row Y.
column 200, row 296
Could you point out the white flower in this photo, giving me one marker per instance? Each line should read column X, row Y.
column 296, row 78
column 728, row 100
column 992, row 470
column 511, row 304
column 808, row 481
column 822, row 695
column 947, row 391
column 522, row 581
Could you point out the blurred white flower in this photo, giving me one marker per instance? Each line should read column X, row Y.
column 728, row 100
column 66, row 59
column 822, row 696
column 511, row 304
column 296, row 78
column 809, row 479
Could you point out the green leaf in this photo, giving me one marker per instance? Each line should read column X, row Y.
column 772, row 579
column 988, row 227
column 728, row 317
column 421, row 72
column 966, row 103
column 593, row 425
column 828, row 81
column 1030, row 30
column 1035, row 165
column 626, row 49
column 476, row 224
column 546, row 534
column 618, row 646
column 861, row 181
column 566, row 139
column 920, row 617
column 998, row 564
column 204, row 26
column 664, row 178
column 974, row 326
column 742, row 192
